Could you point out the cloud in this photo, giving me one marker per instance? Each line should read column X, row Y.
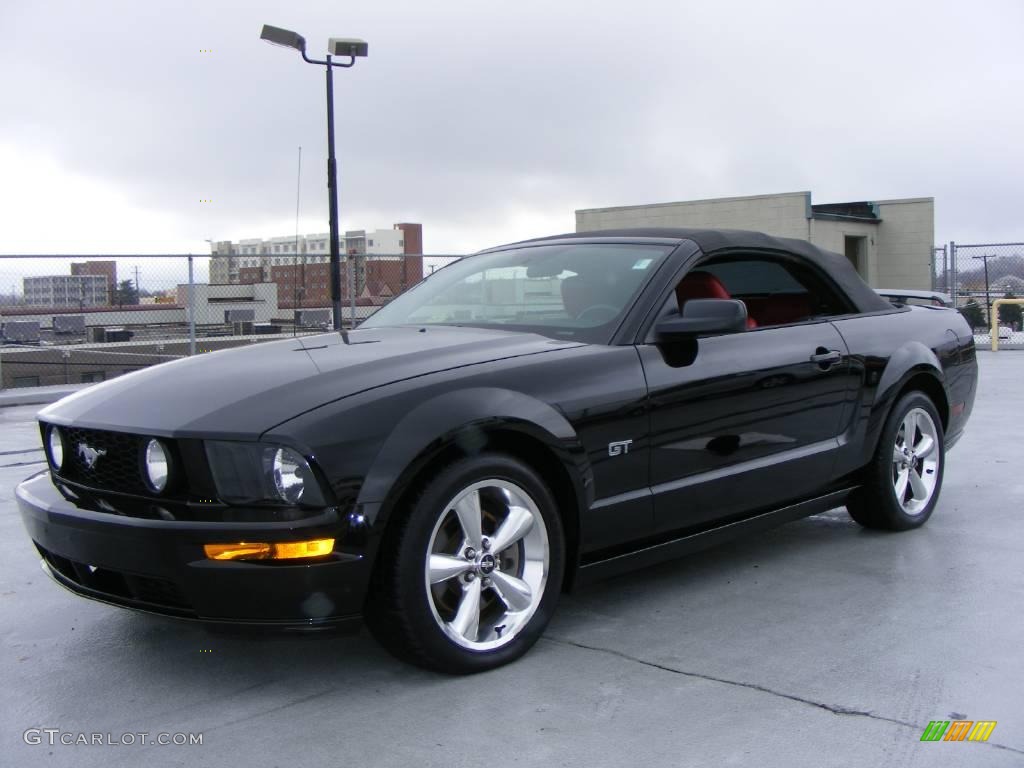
column 493, row 122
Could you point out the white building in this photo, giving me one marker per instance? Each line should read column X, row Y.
column 889, row 241
column 212, row 301
column 229, row 259
column 67, row 291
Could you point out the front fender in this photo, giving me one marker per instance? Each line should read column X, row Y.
column 464, row 416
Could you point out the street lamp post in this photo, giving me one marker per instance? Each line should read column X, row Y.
column 336, row 46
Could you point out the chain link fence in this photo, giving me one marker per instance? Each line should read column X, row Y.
column 67, row 319
column 975, row 275
column 940, row 270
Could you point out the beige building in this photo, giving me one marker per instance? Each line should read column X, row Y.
column 889, row 241
column 66, row 291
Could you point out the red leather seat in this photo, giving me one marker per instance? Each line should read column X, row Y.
column 780, row 309
column 704, row 285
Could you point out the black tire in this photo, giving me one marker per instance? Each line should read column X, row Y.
column 401, row 610
column 876, row 503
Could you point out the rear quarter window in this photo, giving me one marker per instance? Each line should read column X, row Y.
column 777, row 290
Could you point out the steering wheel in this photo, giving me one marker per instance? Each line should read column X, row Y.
column 612, row 312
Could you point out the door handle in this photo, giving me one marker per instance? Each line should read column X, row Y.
column 826, row 358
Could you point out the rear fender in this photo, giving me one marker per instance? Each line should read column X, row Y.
column 910, row 360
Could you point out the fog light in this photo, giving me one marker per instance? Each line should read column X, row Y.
column 157, row 465
column 279, row 550
column 55, row 443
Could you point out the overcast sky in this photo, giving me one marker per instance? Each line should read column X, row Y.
column 490, row 122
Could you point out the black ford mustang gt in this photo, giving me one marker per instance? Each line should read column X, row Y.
column 530, row 417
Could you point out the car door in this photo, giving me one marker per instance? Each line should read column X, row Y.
column 747, row 421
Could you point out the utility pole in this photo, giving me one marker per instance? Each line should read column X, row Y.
column 988, row 297
column 137, row 294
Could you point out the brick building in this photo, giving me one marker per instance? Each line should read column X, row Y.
column 107, row 269
column 386, row 262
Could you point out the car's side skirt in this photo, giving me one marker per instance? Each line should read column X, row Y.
column 711, row 537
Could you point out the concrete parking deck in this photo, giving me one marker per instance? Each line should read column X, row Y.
column 817, row 644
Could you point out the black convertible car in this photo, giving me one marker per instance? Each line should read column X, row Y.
column 528, row 418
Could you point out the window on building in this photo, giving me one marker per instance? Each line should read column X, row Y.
column 92, row 376
column 369, row 243
column 26, row 381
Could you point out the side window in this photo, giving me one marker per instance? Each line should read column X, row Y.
column 776, row 291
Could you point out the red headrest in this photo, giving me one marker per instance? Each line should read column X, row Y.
column 704, row 285
column 700, row 285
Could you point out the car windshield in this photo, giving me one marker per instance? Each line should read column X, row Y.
column 578, row 291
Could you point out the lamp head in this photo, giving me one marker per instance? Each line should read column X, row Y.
column 347, row 46
column 284, row 37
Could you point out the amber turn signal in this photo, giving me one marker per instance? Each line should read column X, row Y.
column 279, row 550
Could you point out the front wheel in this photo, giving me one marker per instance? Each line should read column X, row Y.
column 902, row 483
column 469, row 578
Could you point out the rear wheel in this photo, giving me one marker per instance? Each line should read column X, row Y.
column 470, row 577
column 903, row 481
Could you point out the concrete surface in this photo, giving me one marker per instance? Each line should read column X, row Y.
column 818, row 644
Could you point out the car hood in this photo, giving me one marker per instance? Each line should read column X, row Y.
column 242, row 392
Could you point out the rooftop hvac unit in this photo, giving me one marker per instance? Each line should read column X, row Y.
column 313, row 318
column 266, row 328
column 118, row 334
column 239, row 315
column 21, row 331
column 73, row 325
column 97, row 334
column 241, row 329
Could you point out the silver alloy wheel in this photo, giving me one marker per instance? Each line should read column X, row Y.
column 915, row 461
column 487, row 564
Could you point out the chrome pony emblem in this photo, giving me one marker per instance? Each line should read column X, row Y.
column 90, row 455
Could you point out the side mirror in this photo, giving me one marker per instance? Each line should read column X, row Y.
column 703, row 316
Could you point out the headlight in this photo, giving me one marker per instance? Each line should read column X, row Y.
column 253, row 473
column 55, row 447
column 157, row 464
column 290, row 474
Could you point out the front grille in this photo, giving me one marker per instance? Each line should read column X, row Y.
column 118, row 464
column 119, row 587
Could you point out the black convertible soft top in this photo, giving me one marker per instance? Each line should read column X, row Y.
column 712, row 241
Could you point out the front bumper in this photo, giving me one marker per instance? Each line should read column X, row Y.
column 159, row 566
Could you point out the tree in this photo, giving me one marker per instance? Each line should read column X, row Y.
column 125, row 293
column 972, row 314
column 1010, row 314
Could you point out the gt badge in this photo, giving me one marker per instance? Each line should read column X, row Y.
column 619, row 447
